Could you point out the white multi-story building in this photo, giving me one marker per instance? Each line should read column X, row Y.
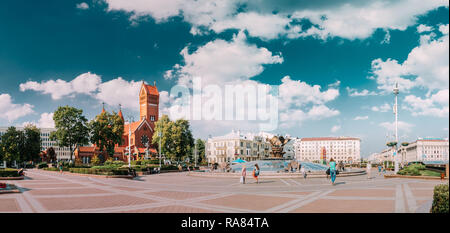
column 236, row 145
column 385, row 155
column 426, row 150
column 62, row 153
column 345, row 149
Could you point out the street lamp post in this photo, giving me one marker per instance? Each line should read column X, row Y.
column 129, row 141
column 396, row 92
column 195, row 155
column 160, row 135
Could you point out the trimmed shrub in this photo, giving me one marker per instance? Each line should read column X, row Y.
column 169, row 167
column 100, row 170
column 412, row 170
column 55, row 169
column 440, row 199
column 42, row 165
column 9, row 172
column 136, row 162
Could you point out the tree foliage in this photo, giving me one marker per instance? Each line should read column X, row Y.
column 32, row 144
column 200, row 145
column 71, row 128
column 176, row 141
column 51, row 154
column 21, row 146
column 11, row 142
column 106, row 131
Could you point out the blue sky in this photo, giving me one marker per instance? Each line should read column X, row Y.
column 101, row 50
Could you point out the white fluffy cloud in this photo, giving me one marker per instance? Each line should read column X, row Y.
column 114, row 92
column 402, row 126
column 383, row 108
column 335, row 128
column 423, row 28
column 82, row 6
column 10, row 111
column 119, row 91
column 359, row 118
column 45, row 121
column 359, row 21
column 219, row 62
column 86, row 83
column 346, row 19
column 298, row 93
column 354, row 92
column 265, row 26
column 427, row 66
column 436, row 105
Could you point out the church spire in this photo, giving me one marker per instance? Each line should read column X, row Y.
column 120, row 112
column 103, row 108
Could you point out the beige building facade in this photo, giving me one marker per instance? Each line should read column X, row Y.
column 236, row 145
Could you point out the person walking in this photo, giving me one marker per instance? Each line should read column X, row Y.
column 243, row 173
column 256, row 172
column 379, row 169
column 302, row 170
column 369, row 169
column 332, row 171
column 60, row 168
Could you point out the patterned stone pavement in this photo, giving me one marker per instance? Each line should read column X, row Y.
column 44, row 191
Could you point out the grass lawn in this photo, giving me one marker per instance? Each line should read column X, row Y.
column 429, row 173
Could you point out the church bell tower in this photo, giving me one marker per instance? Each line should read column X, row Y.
column 149, row 102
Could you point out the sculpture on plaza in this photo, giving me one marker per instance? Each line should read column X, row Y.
column 278, row 143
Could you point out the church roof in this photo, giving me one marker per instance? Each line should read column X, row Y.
column 133, row 125
column 152, row 90
column 120, row 114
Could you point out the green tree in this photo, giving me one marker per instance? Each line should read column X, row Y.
column 32, row 144
column 51, row 155
column 200, row 145
column 106, row 132
column 11, row 144
column 176, row 141
column 182, row 138
column 2, row 154
column 96, row 160
column 71, row 129
column 163, row 126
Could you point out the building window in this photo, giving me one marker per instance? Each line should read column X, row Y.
column 152, row 118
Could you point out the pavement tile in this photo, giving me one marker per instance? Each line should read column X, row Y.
column 171, row 209
column 297, row 193
column 364, row 193
column 179, row 195
column 250, row 202
column 423, row 193
column 347, row 206
column 9, row 204
column 130, row 189
column 66, row 191
column 37, row 186
column 78, row 203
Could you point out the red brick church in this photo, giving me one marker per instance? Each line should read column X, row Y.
column 141, row 131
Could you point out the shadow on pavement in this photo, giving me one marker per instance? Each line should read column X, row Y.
column 339, row 183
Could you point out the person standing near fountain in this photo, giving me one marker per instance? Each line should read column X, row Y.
column 302, row 170
column 256, row 172
column 243, row 174
column 332, row 170
column 369, row 169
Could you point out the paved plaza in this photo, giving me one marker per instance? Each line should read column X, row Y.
column 44, row 191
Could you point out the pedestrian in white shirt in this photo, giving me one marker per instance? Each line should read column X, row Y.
column 369, row 168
